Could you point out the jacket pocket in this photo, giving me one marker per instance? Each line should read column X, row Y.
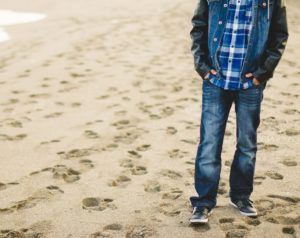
column 213, row 6
column 265, row 9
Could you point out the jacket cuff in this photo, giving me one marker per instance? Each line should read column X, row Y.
column 203, row 70
column 262, row 75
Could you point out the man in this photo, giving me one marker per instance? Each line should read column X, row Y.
column 236, row 45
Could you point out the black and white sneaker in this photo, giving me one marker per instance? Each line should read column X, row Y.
column 200, row 215
column 245, row 206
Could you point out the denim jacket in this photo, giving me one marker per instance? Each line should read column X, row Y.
column 267, row 39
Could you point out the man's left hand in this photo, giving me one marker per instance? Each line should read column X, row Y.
column 254, row 80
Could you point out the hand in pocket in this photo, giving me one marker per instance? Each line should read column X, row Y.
column 254, row 80
column 212, row 71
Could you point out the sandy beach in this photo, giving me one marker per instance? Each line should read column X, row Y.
column 99, row 125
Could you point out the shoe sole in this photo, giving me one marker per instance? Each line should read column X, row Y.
column 200, row 221
column 243, row 213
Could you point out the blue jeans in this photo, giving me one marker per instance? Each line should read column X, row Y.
column 216, row 104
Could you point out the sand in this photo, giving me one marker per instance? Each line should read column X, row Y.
column 99, row 126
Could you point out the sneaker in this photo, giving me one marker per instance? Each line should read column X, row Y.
column 200, row 215
column 245, row 206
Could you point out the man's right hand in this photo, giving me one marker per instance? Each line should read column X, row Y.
column 214, row 72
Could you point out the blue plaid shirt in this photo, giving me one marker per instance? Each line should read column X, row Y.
column 233, row 46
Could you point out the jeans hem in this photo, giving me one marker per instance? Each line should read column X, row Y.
column 196, row 202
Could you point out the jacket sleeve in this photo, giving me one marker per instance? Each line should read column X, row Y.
column 199, row 36
column 277, row 39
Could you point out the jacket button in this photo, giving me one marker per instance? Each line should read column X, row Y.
column 225, row 5
column 215, row 39
column 220, row 22
column 264, row 4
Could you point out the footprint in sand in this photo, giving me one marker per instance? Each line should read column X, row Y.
column 134, row 154
column 166, row 111
column 190, row 172
column 226, row 220
column 177, row 154
column 233, row 229
column 98, row 234
column 272, row 220
column 18, row 137
column 170, row 173
column 6, row 185
column 222, row 188
column 31, row 201
column 2, row 186
column 152, row 186
column 101, row 97
column 110, row 147
column 290, row 162
column 67, row 89
column 170, row 209
column 113, row 227
column 228, row 163
column 23, row 232
column 143, row 147
column 191, row 142
column 75, row 104
column 86, row 164
column 288, row 219
column 291, row 132
column 130, row 136
column 49, row 142
column 121, row 124
column 120, row 181
column 97, row 203
column 291, row 111
column 120, row 113
column 69, row 175
column 126, row 163
column 264, row 206
column 107, row 230
column 253, row 221
column 44, row 85
column 91, row 134
column 173, row 194
column 274, row 175
column 93, row 122
column 137, row 83
column 268, row 147
column 288, row 230
column 144, row 108
column 226, row 223
column 40, row 95
column 138, row 170
column 53, row 115
column 76, row 75
column 154, row 117
column 54, row 188
column 171, row 130
column 13, row 123
column 76, row 153
column 140, row 231
column 291, row 200
column 236, row 233
column 258, row 180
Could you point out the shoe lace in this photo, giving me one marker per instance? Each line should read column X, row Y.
column 202, row 209
column 245, row 202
